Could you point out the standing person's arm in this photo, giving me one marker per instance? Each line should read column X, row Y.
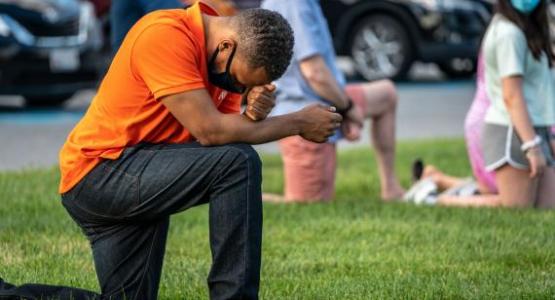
column 322, row 81
column 310, row 48
column 320, row 78
column 518, row 112
column 196, row 112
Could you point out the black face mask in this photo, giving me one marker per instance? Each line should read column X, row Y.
column 223, row 80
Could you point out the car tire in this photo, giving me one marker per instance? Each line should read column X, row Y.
column 458, row 68
column 47, row 100
column 374, row 35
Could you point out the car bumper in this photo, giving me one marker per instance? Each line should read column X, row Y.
column 31, row 75
column 444, row 52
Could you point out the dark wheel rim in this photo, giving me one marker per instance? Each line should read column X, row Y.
column 378, row 50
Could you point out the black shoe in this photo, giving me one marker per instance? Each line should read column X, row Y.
column 4, row 285
column 5, row 293
column 417, row 169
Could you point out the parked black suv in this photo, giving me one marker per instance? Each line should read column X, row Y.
column 48, row 49
column 384, row 37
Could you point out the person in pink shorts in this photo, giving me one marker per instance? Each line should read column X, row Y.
column 313, row 77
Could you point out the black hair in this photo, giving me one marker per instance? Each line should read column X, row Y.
column 265, row 39
column 535, row 27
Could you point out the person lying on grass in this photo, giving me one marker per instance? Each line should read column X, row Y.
column 434, row 186
column 164, row 134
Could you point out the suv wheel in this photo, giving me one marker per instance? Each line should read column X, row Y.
column 47, row 100
column 380, row 48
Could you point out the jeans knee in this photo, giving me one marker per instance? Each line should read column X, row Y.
column 250, row 156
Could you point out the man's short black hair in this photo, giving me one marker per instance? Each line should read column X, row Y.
column 265, row 39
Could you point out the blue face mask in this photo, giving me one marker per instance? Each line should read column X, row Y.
column 525, row 6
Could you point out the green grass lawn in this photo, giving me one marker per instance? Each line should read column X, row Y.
column 353, row 248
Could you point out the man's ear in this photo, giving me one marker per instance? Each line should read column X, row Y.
column 226, row 45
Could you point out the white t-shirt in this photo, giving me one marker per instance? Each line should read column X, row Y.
column 507, row 54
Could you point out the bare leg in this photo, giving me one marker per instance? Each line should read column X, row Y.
column 273, row 198
column 546, row 189
column 381, row 98
column 484, row 189
column 470, row 201
column 443, row 181
column 516, row 188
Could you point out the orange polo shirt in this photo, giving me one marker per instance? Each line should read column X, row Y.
column 163, row 54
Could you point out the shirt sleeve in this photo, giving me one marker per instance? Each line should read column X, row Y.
column 306, row 29
column 511, row 51
column 167, row 60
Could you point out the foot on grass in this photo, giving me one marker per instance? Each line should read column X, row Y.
column 393, row 193
column 273, row 198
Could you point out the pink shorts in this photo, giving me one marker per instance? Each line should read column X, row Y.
column 309, row 168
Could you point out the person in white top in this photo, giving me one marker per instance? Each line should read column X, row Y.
column 517, row 141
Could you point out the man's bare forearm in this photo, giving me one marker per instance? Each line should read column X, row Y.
column 234, row 128
column 196, row 112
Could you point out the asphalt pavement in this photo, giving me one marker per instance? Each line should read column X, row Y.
column 31, row 138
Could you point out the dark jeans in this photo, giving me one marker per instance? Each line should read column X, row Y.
column 124, row 207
